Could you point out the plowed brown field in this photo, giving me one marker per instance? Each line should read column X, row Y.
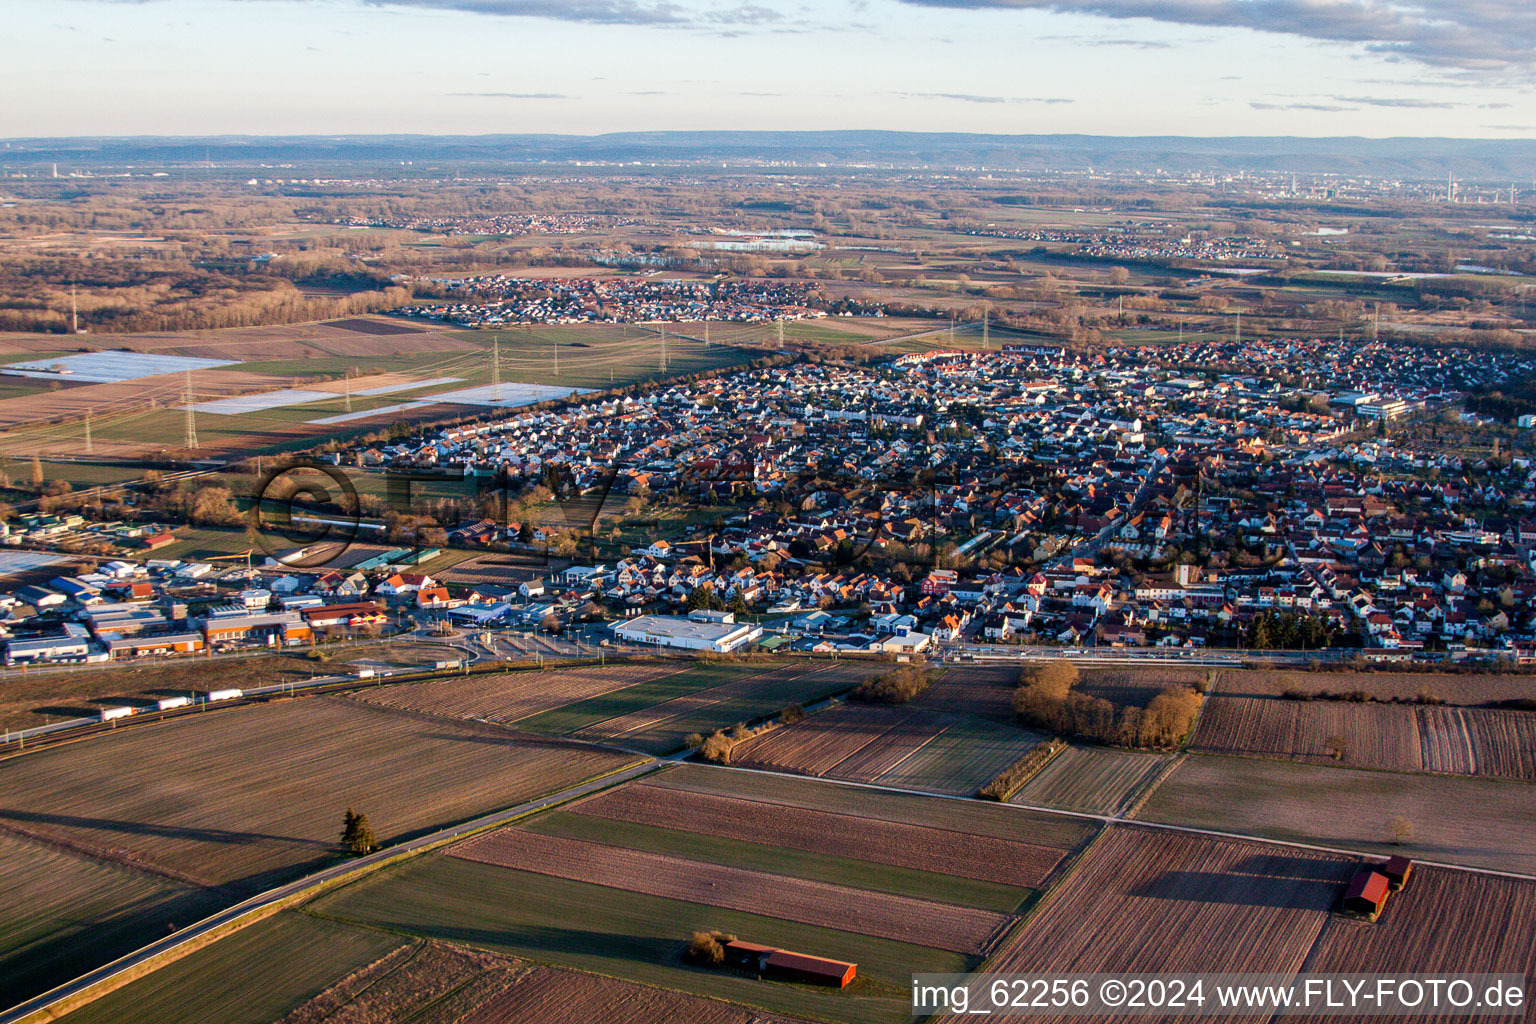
column 1144, row 901
column 512, row 696
column 1395, row 737
column 960, row 929
column 844, row 835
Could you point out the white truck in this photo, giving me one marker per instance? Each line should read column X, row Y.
column 110, row 714
column 224, row 694
column 167, row 703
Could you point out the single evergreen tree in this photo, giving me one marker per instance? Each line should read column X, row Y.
column 357, row 835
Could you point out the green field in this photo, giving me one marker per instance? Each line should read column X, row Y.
column 820, row 867
column 294, row 955
column 634, row 698
column 62, row 914
column 601, row 355
column 773, row 692
column 775, row 685
column 962, row 758
column 625, row 934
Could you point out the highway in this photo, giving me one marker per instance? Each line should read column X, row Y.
column 308, row 884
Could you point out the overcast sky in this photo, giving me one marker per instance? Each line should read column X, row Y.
column 1112, row 67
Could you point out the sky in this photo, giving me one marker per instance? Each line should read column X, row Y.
column 1460, row 68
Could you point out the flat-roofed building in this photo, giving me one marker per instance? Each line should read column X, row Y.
column 673, row 631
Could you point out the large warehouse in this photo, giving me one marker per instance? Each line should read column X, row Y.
column 672, row 631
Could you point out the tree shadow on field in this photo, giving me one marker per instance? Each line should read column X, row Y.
column 616, row 946
column 148, row 828
column 1241, row 890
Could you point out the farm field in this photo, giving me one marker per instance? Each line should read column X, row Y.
column 61, row 914
column 656, row 716
column 1477, row 822
column 972, row 817
column 1093, row 780
column 230, row 797
column 1453, row 688
column 849, row 836
column 294, row 956
column 510, row 696
column 37, row 698
column 1145, row 901
column 962, row 758
column 963, row 930
column 1442, row 921
column 857, row 733
column 900, row 747
column 438, row 983
column 982, row 690
column 752, row 692
column 630, row 935
column 1393, row 737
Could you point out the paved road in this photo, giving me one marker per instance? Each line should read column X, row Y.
column 309, row 882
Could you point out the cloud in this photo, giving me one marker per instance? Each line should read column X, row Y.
column 1139, row 44
column 1326, row 108
column 1477, row 35
column 513, row 95
column 597, row 12
column 966, row 97
column 1399, row 101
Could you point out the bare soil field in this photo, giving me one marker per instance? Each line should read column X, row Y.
column 544, row 994
column 844, row 835
column 1453, row 688
column 1393, row 737
column 510, row 696
column 167, row 390
column 1144, row 901
column 502, row 569
column 280, row 341
column 1478, row 822
column 1094, row 780
column 959, row 929
column 1442, row 922
column 971, row 817
column 823, row 742
column 985, row 690
column 40, row 697
column 249, row 795
column 61, row 914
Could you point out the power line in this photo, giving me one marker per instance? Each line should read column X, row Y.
column 191, row 416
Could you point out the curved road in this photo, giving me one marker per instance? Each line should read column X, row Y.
column 299, row 886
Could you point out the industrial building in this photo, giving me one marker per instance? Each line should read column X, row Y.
column 672, row 631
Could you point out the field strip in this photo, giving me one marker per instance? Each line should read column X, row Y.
column 1111, row 819
column 904, row 729
column 648, row 718
column 896, row 765
column 920, row 847
column 883, row 915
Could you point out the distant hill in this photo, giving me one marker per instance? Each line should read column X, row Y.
column 1409, row 158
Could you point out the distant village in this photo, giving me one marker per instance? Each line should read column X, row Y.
column 497, row 300
column 1177, row 496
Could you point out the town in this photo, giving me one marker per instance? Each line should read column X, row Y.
column 1180, row 497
